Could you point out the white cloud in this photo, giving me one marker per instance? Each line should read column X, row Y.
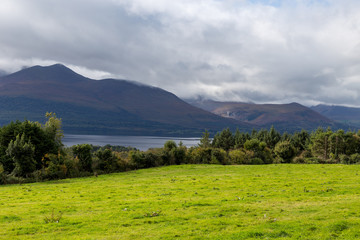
column 261, row 51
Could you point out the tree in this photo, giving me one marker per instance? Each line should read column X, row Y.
column 320, row 146
column 240, row 138
column 260, row 150
column 300, row 140
column 83, row 154
column 46, row 139
column 224, row 140
column 142, row 159
column 106, row 160
column 205, row 141
column 22, row 153
column 272, row 138
column 53, row 128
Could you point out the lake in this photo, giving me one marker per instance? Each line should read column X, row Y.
column 140, row 142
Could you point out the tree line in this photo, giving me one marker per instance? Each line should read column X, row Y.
column 30, row 151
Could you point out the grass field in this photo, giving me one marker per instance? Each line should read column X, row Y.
column 190, row 202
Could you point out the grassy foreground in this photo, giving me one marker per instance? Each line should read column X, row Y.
column 190, row 202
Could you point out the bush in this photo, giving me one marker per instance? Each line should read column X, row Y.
column 200, row 155
column 56, row 168
column 240, row 156
column 143, row 159
column 2, row 175
column 352, row 159
column 71, row 165
column 218, row 156
column 303, row 157
column 106, row 160
column 355, row 158
column 256, row 161
column 284, row 151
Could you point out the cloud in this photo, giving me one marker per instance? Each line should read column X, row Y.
column 261, row 51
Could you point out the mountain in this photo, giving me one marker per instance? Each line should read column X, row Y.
column 284, row 117
column 106, row 106
column 2, row 73
column 349, row 116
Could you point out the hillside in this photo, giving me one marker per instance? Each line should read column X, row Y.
column 284, row 117
column 347, row 115
column 106, row 106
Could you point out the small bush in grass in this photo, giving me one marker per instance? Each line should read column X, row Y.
column 152, row 214
column 53, row 218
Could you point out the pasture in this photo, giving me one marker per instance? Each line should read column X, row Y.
column 285, row 201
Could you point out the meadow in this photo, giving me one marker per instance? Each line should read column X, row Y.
column 279, row 201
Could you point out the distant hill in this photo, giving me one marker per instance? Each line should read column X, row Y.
column 346, row 115
column 106, row 106
column 284, row 117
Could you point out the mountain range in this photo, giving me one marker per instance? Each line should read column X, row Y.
column 284, row 117
column 121, row 107
column 348, row 116
column 106, row 106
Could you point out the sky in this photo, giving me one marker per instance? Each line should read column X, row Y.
column 261, row 51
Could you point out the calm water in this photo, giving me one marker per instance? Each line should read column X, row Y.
column 139, row 142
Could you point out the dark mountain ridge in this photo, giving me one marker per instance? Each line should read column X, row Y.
column 103, row 106
column 349, row 116
column 284, row 117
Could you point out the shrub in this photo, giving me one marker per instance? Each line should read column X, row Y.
column 284, row 151
column 143, row 159
column 240, row 156
column 218, row 156
column 256, row 161
column 200, row 155
column 302, row 158
column 2, row 175
column 106, row 160
column 355, row 158
column 53, row 218
column 71, row 165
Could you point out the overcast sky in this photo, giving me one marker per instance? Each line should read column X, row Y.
column 305, row 51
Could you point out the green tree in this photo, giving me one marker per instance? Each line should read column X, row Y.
column 83, row 154
column 107, row 161
column 53, row 128
column 169, row 150
column 224, row 140
column 320, row 144
column 180, row 154
column 143, row 159
column 300, row 140
column 205, row 141
column 272, row 138
column 260, row 150
column 240, row 138
column 45, row 139
column 22, row 153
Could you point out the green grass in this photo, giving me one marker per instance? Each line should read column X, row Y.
column 189, row 202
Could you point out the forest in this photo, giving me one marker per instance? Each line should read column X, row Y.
column 31, row 151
